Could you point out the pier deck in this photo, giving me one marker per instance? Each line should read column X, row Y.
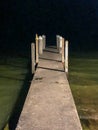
column 49, row 104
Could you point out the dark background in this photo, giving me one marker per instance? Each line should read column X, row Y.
column 75, row 20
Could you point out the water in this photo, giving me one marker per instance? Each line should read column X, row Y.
column 13, row 72
column 83, row 78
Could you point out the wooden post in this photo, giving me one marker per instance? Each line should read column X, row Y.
column 33, row 57
column 63, row 51
column 37, row 49
column 57, row 41
column 66, row 57
column 60, row 45
column 40, row 43
column 44, row 41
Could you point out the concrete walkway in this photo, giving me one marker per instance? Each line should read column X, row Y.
column 49, row 104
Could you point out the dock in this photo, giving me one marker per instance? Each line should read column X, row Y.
column 49, row 104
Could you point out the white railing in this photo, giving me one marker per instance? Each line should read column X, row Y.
column 62, row 46
column 40, row 44
column 36, row 50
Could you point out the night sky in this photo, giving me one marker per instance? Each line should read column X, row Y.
column 75, row 20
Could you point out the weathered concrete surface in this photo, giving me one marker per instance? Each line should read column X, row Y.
column 49, row 104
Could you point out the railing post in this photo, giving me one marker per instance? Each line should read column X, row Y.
column 63, row 51
column 60, row 44
column 44, row 41
column 57, row 41
column 40, row 43
column 37, row 49
column 33, row 57
column 66, row 57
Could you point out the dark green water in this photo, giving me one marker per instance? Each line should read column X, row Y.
column 13, row 74
column 83, row 78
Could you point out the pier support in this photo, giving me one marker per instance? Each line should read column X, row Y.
column 37, row 56
column 33, row 57
column 44, row 41
column 60, row 44
column 63, row 48
column 40, row 43
column 66, row 57
column 57, row 41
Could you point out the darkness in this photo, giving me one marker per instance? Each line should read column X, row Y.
column 20, row 20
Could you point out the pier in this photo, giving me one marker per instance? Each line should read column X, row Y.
column 49, row 104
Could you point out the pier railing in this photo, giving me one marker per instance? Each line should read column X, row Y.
column 62, row 46
column 37, row 49
column 40, row 44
